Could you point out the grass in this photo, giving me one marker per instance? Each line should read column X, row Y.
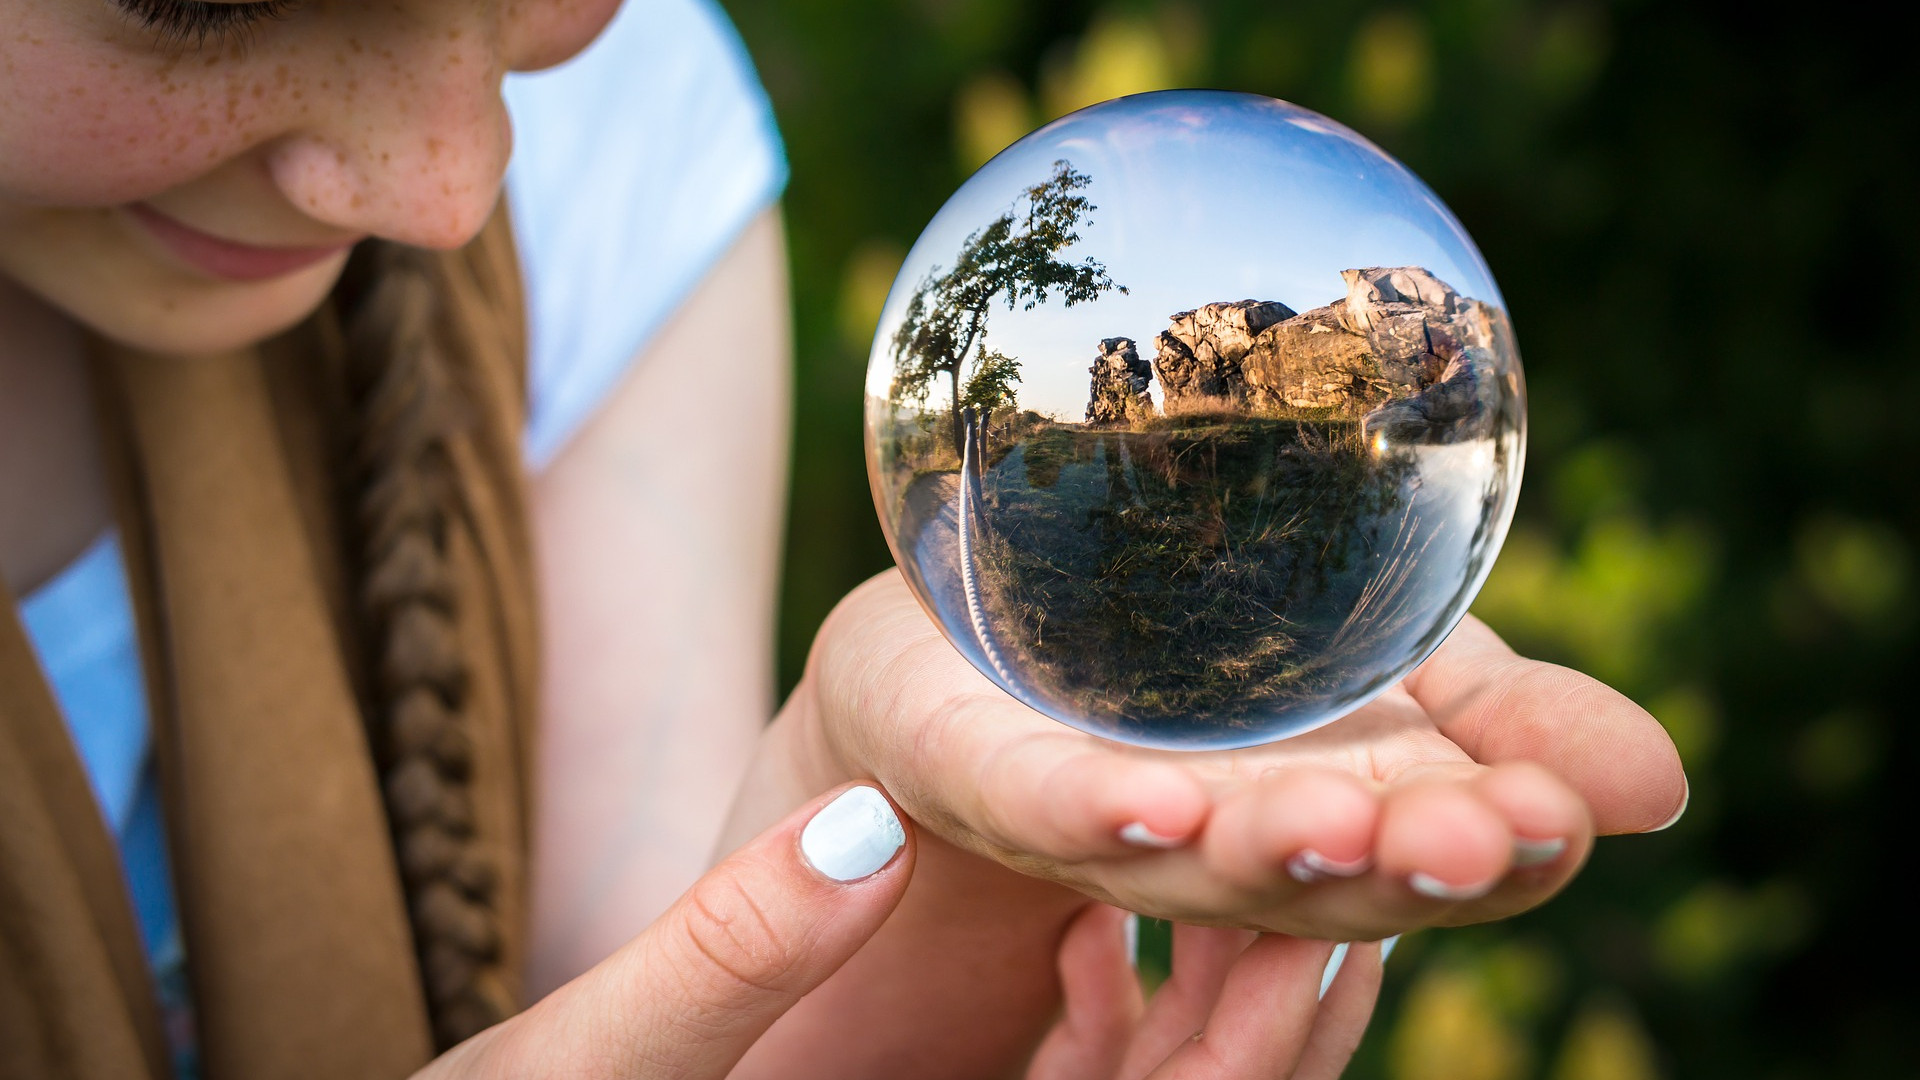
column 1194, row 569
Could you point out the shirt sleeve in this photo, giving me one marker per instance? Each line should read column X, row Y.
column 636, row 164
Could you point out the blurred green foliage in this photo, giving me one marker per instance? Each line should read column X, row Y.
column 1703, row 217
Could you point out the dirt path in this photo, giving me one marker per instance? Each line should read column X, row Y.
column 929, row 534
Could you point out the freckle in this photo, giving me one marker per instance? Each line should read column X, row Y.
column 326, row 84
column 355, row 202
column 202, row 128
column 259, row 91
column 354, row 44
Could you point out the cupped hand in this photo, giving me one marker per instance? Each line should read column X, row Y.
column 692, row 993
column 1238, row 1006
column 1469, row 792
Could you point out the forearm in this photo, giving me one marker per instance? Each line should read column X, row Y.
column 960, row 982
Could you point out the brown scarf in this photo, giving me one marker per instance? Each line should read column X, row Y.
column 300, row 953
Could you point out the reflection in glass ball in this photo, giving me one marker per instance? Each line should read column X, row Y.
column 1195, row 420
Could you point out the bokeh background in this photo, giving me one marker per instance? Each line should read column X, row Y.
column 1704, row 221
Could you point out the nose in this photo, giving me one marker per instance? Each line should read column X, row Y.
column 409, row 140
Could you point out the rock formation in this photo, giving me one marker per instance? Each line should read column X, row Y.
column 1119, row 390
column 1402, row 351
column 1198, row 357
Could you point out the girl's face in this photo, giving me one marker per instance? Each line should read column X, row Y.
column 187, row 176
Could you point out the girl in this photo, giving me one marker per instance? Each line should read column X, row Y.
column 283, row 411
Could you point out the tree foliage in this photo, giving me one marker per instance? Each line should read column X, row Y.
column 1014, row 260
column 990, row 387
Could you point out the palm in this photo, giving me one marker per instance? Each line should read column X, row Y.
column 1477, row 756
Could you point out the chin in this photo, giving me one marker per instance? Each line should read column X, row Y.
column 203, row 317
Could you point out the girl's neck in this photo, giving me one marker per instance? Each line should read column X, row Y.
column 53, row 497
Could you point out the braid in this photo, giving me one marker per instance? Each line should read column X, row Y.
column 404, row 501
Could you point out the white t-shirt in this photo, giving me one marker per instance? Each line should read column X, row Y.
column 635, row 166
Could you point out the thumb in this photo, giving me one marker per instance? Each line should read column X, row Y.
column 688, row 996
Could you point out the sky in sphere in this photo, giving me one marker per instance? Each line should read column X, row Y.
column 1200, row 196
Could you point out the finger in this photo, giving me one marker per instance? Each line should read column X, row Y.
column 756, row 933
column 976, row 766
column 1266, row 1011
column 1499, row 706
column 1262, row 845
column 1293, row 827
column 1456, row 843
column 1551, row 826
column 1344, row 1011
column 1444, row 842
column 1202, row 959
column 1102, row 1000
column 1552, row 836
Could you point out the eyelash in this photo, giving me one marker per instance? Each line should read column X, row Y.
column 195, row 23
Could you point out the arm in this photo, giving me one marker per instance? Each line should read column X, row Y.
column 658, row 533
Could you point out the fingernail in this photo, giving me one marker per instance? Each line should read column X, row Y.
column 1130, row 930
column 853, row 836
column 1308, row 866
column 1137, row 834
column 1685, row 798
column 1430, row 886
column 1537, row 852
column 1333, row 967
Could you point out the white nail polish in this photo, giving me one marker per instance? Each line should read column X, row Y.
column 1386, row 947
column 1333, row 967
column 1130, row 930
column 1308, row 866
column 1685, row 798
column 1537, row 852
column 1137, row 834
column 1430, row 886
column 853, row 836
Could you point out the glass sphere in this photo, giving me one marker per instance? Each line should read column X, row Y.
column 1194, row 420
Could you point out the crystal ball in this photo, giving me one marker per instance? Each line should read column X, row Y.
column 1194, row 420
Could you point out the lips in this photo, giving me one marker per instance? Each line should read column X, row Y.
column 228, row 259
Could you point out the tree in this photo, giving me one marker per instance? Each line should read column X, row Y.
column 990, row 387
column 1015, row 260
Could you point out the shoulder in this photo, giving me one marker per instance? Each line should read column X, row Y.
column 636, row 166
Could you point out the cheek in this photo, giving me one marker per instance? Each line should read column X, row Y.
column 96, row 125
